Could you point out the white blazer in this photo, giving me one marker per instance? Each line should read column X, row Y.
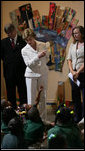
column 35, row 65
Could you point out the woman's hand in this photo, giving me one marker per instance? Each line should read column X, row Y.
column 42, row 54
column 75, row 76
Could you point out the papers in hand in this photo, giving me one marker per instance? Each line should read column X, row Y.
column 71, row 77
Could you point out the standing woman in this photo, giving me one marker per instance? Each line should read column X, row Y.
column 36, row 74
column 76, row 65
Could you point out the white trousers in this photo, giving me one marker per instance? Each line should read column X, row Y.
column 33, row 85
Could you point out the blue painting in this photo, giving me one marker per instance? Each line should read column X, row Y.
column 57, row 55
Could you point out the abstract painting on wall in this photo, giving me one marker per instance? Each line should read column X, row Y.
column 56, row 27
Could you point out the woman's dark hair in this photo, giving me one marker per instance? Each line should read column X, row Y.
column 64, row 115
column 7, row 114
column 81, row 29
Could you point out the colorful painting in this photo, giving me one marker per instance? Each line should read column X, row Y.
column 56, row 27
column 22, row 17
column 71, row 26
column 26, row 13
column 36, row 19
column 70, row 15
column 52, row 11
column 57, row 51
column 45, row 21
column 60, row 54
column 56, row 57
column 15, row 17
column 58, row 17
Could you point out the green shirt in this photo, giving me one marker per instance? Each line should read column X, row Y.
column 33, row 131
column 71, row 133
column 10, row 142
column 4, row 128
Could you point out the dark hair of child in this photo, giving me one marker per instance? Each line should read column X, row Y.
column 33, row 114
column 64, row 115
column 15, row 125
column 57, row 141
column 7, row 114
column 4, row 104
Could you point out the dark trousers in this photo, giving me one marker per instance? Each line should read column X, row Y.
column 76, row 98
column 11, row 84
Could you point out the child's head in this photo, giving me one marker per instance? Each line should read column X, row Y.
column 4, row 104
column 26, row 107
column 7, row 114
column 22, row 111
column 64, row 115
column 15, row 125
column 57, row 141
column 33, row 114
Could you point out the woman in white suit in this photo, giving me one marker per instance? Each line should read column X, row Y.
column 35, row 56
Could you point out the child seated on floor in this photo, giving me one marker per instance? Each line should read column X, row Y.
column 34, row 127
column 4, row 104
column 23, row 109
column 14, row 139
column 67, row 128
column 7, row 114
column 57, row 141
